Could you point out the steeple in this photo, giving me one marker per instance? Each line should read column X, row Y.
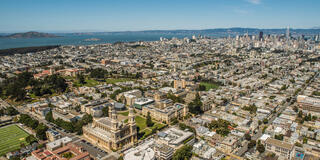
column 114, row 121
column 132, row 124
column 110, row 112
column 131, row 116
column 114, row 114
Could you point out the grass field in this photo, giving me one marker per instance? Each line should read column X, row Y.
column 126, row 113
column 141, row 123
column 209, row 85
column 11, row 138
column 89, row 83
column 113, row 80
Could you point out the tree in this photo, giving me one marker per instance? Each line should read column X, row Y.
column 1, row 112
column 247, row 136
column 138, row 75
column 33, row 124
column 298, row 144
column 183, row 126
column 202, row 88
column 78, row 108
column 252, row 109
column 49, row 117
column 308, row 117
column 265, row 121
column 300, row 114
column 30, row 139
column 175, row 99
column 221, row 126
column 296, row 109
column 260, row 147
column 279, row 137
column 314, row 118
column 305, row 140
column 251, row 144
column 195, row 105
column 98, row 73
column 56, row 82
column 12, row 111
column 105, row 111
column 81, row 79
column 41, row 131
column 183, row 153
column 67, row 155
column 149, row 121
column 87, row 118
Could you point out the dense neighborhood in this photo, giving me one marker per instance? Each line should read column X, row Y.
column 200, row 98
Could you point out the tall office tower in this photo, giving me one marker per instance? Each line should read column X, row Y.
column 288, row 36
column 288, row 33
column 260, row 36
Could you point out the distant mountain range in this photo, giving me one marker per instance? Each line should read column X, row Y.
column 217, row 31
column 29, row 35
column 221, row 32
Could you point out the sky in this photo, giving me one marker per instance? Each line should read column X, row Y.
column 135, row 15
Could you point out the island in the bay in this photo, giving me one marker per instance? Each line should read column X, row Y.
column 30, row 34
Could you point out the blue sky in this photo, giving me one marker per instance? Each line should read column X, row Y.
column 133, row 15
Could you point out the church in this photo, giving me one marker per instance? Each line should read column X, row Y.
column 110, row 133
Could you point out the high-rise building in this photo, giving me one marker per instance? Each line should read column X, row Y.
column 260, row 36
column 288, row 36
column 288, row 33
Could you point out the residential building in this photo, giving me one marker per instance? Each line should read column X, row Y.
column 282, row 149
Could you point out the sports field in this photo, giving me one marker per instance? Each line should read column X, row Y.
column 11, row 138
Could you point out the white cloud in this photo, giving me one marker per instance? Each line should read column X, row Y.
column 254, row 1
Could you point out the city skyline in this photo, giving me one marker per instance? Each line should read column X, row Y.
column 97, row 16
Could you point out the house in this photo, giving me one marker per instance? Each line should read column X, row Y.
column 60, row 153
column 52, row 135
column 229, row 143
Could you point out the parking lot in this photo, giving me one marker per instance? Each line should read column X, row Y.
column 93, row 150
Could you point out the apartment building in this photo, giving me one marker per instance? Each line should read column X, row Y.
column 282, row 149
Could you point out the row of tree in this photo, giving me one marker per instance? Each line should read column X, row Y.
column 40, row 128
column 75, row 126
column 10, row 111
column 100, row 73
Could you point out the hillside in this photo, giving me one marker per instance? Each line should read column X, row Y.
column 30, row 35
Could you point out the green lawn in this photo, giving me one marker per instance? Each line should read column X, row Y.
column 124, row 113
column 89, row 83
column 113, row 80
column 209, row 85
column 11, row 138
column 158, row 125
column 141, row 123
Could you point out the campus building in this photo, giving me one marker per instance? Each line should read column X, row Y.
column 176, row 110
column 110, row 133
